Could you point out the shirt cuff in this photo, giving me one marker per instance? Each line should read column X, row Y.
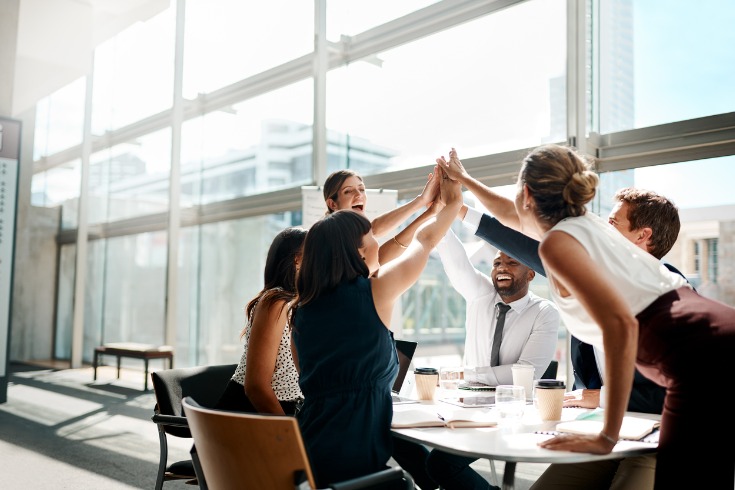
column 603, row 396
column 472, row 219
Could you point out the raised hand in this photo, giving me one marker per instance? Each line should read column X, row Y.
column 454, row 168
column 430, row 194
column 451, row 190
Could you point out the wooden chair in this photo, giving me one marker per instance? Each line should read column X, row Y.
column 206, row 383
column 263, row 452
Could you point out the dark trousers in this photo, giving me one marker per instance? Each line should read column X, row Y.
column 453, row 472
column 235, row 399
column 412, row 458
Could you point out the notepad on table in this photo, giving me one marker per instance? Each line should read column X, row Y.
column 633, row 428
column 445, row 418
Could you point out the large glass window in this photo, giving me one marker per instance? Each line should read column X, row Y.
column 59, row 186
column 133, row 73
column 258, row 145
column 220, row 271
column 483, row 87
column 59, row 120
column 135, row 289
column 659, row 65
column 95, row 330
column 354, row 16
column 131, row 179
column 228, row 40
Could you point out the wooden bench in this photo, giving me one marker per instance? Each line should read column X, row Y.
column 134, row 351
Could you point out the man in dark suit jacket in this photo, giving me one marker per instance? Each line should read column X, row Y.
column 651, row 222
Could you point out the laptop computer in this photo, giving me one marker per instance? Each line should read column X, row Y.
column 406, row 350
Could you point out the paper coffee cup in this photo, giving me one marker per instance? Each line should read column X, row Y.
column 549, row 398
column 426, row 381
column 523, row 376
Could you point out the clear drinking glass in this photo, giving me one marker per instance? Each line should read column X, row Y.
column 510, row 400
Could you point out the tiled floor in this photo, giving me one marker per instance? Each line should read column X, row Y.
column 62, row 430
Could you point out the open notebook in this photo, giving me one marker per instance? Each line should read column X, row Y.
column 406, row 350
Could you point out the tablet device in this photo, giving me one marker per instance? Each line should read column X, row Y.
column 475, row 386
column 471, row 401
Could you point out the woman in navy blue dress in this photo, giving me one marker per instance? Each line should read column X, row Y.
column 345, row 350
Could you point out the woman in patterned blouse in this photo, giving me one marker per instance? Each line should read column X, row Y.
column 266, row 380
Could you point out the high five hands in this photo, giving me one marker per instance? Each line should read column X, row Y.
column 450, row 189
column 452, row 168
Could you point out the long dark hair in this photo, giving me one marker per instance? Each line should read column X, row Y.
column 331, row 256
column 279, row 275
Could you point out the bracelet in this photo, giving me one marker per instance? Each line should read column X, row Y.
column 399, row 243
column 608, row 438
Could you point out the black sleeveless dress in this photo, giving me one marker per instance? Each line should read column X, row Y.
column 348, row 361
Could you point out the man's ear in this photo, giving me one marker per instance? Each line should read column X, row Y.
column 531, row 274
column 643, row 236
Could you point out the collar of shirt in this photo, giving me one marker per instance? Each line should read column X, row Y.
column 520, row 304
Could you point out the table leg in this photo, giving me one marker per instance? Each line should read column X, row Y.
column 118, row 366
column 94, row 364
column 145, row 383
column 509, row 475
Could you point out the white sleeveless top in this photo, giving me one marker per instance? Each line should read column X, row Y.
column 638, row 276
column 285, row 381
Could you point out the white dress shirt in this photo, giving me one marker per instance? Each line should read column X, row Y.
column 531, row 325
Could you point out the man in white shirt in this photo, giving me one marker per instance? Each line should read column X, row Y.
column 531, row 324
column 529, row 335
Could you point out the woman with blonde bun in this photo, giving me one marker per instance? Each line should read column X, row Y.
column 613, row 296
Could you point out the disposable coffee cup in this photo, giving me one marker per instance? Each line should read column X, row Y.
column 548, row 397
column 426, row 381
column 523, row 376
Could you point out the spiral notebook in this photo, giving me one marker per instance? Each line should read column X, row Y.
column 633, row 428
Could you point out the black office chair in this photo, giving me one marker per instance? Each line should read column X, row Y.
column 206, row 383
column 551, row 371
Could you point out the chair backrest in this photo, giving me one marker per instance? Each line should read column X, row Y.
column 204, row 383
column 247, row 450
column 550, row 372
